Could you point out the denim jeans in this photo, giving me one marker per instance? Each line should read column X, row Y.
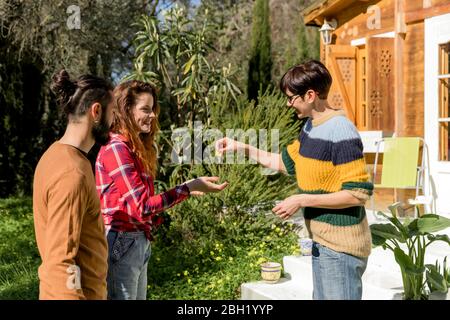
column 128, row 257
column 336, row 275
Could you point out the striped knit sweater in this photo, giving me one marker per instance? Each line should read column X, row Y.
column 328, row 157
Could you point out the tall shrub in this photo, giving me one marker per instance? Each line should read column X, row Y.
column 260, row 64
column 238, row 219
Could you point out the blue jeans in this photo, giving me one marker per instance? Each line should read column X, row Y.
column 336, row 275
column 128, row 257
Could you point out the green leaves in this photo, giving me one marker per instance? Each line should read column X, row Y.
column 377, row 240
column 260, row 64
column 188, row 65
column 406, row 263
column 432, row 223
column 439, row 237
column 416, row 235
column 386, row 232
column 435, row 280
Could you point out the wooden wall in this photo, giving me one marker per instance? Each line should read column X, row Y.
column 413, row 79
column 411, row 5
column 352, row 24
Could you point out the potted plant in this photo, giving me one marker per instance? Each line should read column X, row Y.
column 408, row 240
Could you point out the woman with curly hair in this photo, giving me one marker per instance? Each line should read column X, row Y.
column 125, row 172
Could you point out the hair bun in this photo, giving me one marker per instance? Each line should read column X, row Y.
column 63, row 87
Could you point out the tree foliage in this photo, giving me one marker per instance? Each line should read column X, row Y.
column 292, row 41
column 173, row 55
column 260, row 64
column 36, row 41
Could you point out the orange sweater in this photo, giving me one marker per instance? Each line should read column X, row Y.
column 70, row 234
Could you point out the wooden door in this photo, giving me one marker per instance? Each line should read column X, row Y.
column 362, row 114
column 341, row 62
column 380, row 91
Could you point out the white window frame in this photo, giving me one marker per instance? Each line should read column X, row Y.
column 437, row 32
column 438, row 79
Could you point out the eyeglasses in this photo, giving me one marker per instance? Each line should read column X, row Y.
column 291, row 99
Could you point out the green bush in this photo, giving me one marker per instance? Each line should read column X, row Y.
column 216, row 242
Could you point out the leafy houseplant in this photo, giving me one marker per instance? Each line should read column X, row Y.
column 408, row 241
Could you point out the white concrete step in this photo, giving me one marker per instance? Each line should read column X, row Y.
column 300, row 268
column 292, row 290
column 295, row 289
column 297, row 267
column 285, row 289
column 381, row 280
column 298, row 284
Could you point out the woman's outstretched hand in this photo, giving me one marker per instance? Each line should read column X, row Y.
column 227, row 144
column 202, row 185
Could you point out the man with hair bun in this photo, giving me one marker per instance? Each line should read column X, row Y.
column 70, row 234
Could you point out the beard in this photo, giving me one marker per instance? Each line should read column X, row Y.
column 100, row 131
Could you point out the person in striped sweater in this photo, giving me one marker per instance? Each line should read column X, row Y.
column 327, row 160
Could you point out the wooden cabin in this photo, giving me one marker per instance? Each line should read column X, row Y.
column 390, row 65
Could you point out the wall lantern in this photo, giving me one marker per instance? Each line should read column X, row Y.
column 326, row 32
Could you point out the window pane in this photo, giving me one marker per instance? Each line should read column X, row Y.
column 444, row 93
column 444, row 59
column 445, row 141
column 444, row 107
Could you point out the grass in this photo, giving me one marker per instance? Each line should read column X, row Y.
column 174, row 271
column 19, row 258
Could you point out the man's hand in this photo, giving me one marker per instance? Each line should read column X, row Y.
column 289, row 206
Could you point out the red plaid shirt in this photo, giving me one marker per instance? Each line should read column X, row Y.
column 127, row 194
